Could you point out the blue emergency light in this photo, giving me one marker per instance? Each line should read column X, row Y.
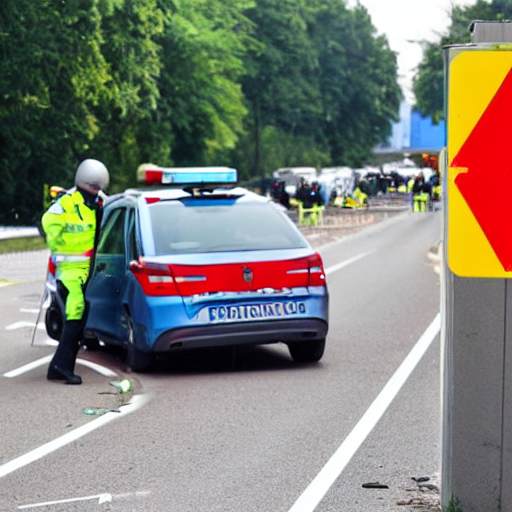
column 187, row 176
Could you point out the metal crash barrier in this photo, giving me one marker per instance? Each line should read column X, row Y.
column 310, row 216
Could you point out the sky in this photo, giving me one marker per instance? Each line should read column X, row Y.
column 404, row 21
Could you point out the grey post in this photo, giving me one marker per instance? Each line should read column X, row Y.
column 477, row 354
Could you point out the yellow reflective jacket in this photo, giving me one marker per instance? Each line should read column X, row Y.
column 70, row 228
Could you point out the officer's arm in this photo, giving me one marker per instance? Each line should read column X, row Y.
column 53, row 225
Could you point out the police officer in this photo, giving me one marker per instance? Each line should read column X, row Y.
column 70, row 226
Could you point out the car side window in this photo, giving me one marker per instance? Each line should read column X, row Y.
column 112, row 235
column 133, row 251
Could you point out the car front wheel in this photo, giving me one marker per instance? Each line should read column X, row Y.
column 307, row 351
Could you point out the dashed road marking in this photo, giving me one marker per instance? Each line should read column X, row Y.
column 102, row 498
column 19, row 325
column 345, row 263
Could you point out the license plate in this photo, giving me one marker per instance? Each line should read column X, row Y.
column 249, row 312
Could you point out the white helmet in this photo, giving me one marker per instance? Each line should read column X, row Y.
column 93, row 173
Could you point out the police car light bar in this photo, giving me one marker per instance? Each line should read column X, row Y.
column 186, row 176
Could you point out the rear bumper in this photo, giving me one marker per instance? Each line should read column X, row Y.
column 243, row 333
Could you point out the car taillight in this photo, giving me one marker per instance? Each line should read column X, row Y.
column 155, row 278
column 51, row 266
column 316, row 271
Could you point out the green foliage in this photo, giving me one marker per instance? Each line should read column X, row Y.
column 359, row 90
column 201, row 94
column 428, row 83
column 256, row 84
column 453, row 506
column 323, row 75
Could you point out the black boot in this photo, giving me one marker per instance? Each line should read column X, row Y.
column 63, row 362
column 56, row 373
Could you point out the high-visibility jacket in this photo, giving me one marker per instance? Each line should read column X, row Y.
column 70, row 228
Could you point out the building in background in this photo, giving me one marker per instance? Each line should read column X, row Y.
column 414, row 133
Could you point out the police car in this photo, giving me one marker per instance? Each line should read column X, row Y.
column 199, row 262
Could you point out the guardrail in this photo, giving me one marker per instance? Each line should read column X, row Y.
column 17, row 232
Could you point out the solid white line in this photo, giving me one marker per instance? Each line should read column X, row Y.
column 27, row 367
column 19, row 325
column 137, row 402
column 345, row 263
column 311, row 497
column 31, row 366
column 97, row 367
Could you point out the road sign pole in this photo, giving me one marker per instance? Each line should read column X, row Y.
column 476, row 285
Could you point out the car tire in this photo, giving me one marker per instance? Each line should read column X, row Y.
column 53, row 322
column 307, row 351
column 91, row 343
column 136, row 359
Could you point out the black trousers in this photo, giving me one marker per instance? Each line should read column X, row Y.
column 65, row 355
column 70, row 339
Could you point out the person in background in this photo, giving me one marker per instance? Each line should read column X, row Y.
column 303, row 190
column 71, row 225
column 418, row 196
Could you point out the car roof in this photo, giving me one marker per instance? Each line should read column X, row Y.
column 238, row 193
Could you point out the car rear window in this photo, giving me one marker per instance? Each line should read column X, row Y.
column 197, row 226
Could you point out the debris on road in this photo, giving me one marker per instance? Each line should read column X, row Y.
column 375, row 485
column 425, row 495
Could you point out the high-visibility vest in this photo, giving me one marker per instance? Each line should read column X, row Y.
column 70, row 228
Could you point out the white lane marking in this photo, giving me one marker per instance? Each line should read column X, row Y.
column 24, row 323
column 137, row 402
column 102, row 498
column 311, row 497
column 19, row 325
column 29, row 310
column 27, row 367
column 30, row 366
column 345, row 263
column 97, row 367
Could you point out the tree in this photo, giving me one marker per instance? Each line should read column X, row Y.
column 358, row 82
column 52, row 73
column 281, row 85
column 201, row 102
column 324, row 78
column 130, row 46
column 428, row 82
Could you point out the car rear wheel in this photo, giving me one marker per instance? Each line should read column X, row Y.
column 91, row 342
column 307, row 351
column 53, row 322
column 136, row 359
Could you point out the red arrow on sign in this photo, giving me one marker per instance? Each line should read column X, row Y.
column 487, row 184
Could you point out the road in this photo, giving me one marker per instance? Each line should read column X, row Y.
column 245, row 430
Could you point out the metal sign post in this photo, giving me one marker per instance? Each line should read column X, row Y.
column 477, row 291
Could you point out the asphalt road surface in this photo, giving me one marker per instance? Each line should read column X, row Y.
column 239, row 430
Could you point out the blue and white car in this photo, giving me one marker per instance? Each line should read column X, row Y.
column 199, row 262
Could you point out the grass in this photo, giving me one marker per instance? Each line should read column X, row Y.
column 21, row 244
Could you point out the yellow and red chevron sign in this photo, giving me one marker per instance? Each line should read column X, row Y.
column 479, row 174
